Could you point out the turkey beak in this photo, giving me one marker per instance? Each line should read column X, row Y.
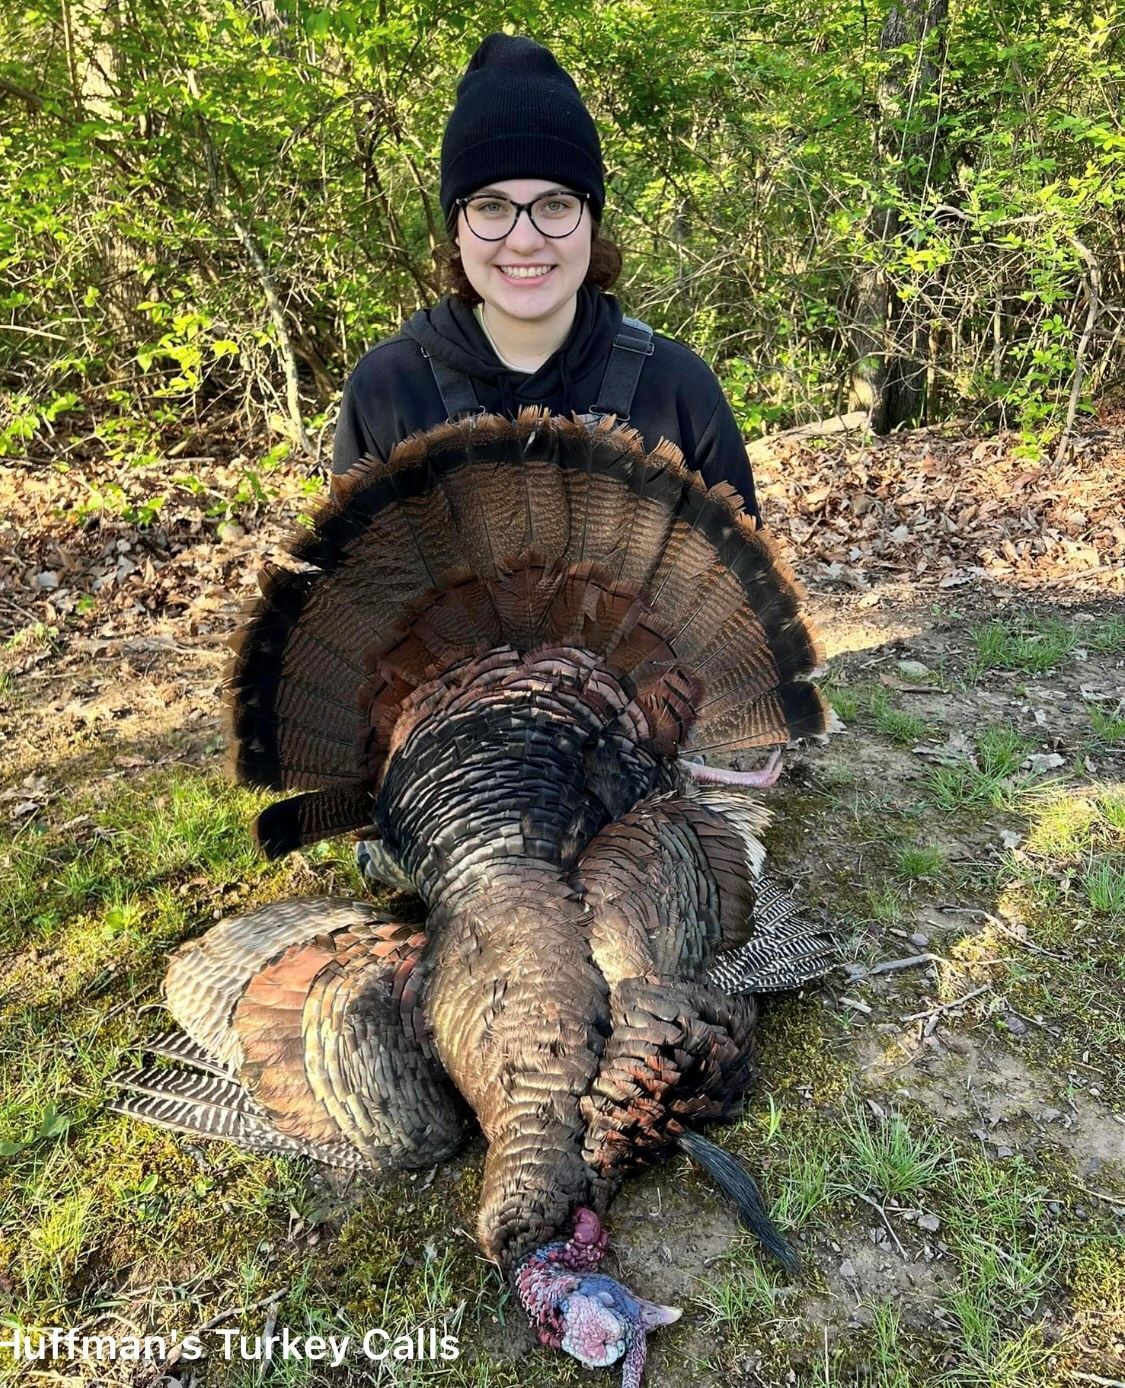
column 650, row 1316
column 653, row 1315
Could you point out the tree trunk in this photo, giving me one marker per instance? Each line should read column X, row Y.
column 90, row 28
column 888, row 378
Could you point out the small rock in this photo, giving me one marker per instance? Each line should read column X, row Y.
column 847, row 1269
column 1050, row 1114
column 47, row 579
column 229, row 530
column 1015, row 1025
column 920, row 940
column 1053, row 1206
column 1003, row 1152
column 929, row 1222
column 1041, row 762
column 1010, row 839
column 912, row 669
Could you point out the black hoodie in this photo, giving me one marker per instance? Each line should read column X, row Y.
column 392, row 393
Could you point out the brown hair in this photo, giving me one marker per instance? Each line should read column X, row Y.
column 605, row 266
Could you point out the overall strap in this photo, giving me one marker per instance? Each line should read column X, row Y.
column 455, row 388
column 631, row 346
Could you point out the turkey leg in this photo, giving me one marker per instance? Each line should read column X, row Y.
column 765, row 775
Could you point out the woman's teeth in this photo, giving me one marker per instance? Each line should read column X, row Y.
column 527, row 272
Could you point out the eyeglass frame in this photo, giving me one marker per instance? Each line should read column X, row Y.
column 463, row 205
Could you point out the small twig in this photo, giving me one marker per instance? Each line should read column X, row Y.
column 857, row 1004
column 1032, row 1021
column 886, row 966
column 883, row 1216
column 1098, row 1195
column 1093, row 283
column 175, row 1350
column 129, row 1002
column 1003, row 926
column 947, row 1006
column 1097, row 1378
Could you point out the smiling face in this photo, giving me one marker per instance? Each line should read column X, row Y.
column 527, row 276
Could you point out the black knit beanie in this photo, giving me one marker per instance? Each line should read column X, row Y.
column 519, row 115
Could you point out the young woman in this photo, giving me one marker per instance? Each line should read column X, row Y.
column 528, row 321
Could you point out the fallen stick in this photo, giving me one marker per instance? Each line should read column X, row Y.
column 947, row 1006
column 883, row 1216
column 177, row 1349
column 886, row 966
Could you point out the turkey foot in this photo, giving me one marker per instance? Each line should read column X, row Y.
column 592, row 1317
column 765, row 775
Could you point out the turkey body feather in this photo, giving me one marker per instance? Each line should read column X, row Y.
column 501, row 644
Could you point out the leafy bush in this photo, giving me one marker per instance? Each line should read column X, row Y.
column 226, row 203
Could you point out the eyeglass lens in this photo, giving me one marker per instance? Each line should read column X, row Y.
column 554, row 214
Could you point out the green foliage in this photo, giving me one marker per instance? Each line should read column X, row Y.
column 920, row 860
column 1108, row 726
column 222, row 188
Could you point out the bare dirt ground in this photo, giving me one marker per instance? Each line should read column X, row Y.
column 112, row 638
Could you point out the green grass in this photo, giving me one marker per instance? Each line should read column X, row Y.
column 888, row 1369
column 1029, row 645
column 1104, row 885
column 1033, row 645
column 875, row 706
column 886, row 1157
column 748, row 1295
column 804, row 1186
column 1009, row 1252
column 920, row 861
column 91, row 899
column 883, row 903
column 1108, row 726
column 989, row 779
column 845, row 700
column 1065, row 886
column 144, row 836
column 904, row 729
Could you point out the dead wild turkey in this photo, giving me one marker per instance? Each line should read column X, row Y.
column 497, row 650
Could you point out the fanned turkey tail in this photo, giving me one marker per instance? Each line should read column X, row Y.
column 530, row 534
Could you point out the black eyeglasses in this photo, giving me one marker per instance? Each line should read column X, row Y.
column 491, row 217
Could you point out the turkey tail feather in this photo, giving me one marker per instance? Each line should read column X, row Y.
column 309, row 818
